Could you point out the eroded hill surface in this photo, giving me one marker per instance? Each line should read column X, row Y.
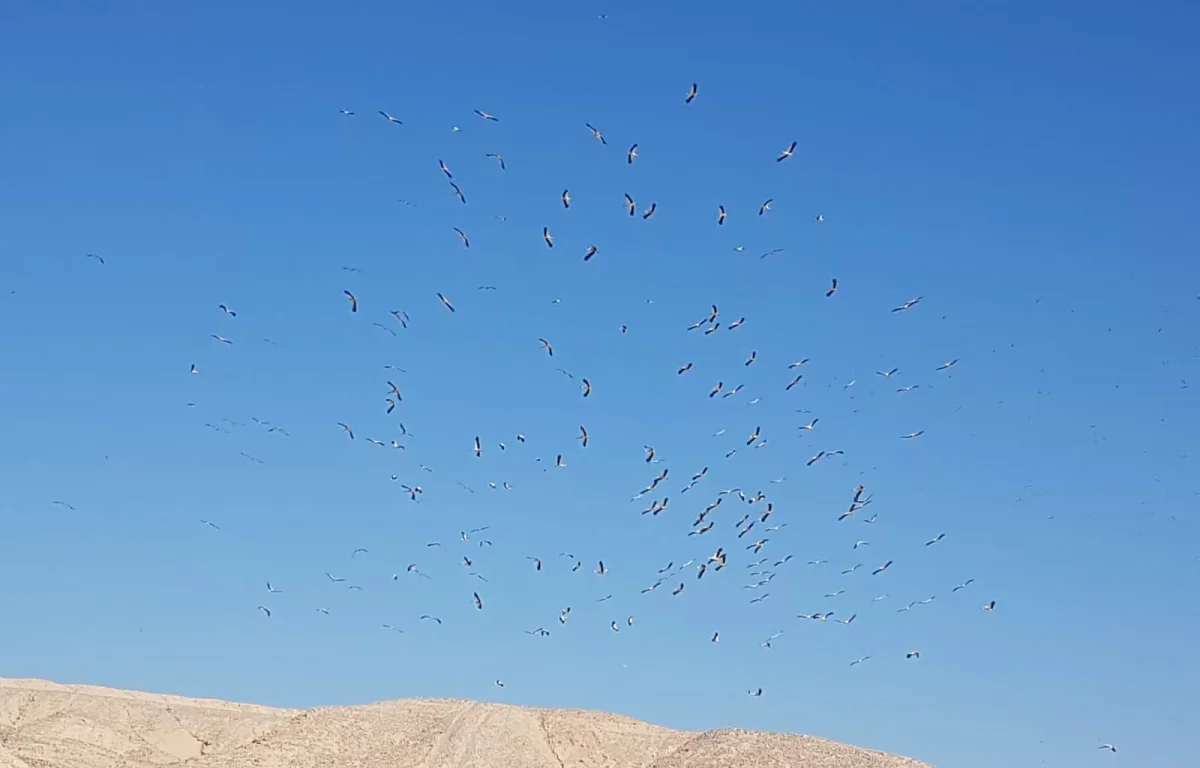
column 47, row 725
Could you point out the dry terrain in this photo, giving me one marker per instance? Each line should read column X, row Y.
column 46, row 725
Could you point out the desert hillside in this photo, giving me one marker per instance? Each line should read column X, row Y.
column 46, row 725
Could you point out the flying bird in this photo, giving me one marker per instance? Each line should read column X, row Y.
column 591, row 251
column 629, row 156
column 720, row 214
column 547, row 237
column 486, row 116
column 832, row 288
column 391, row 119
column 908, row 305
column 766, row 206
column 587, row 388
column 463, row 236
column 546, row 345
column 227, row 310
column 459, row 193
column 445, row 170
column 498, row 158
column 691, row 94
column 650, row 211
column 596, row 133
column 265, row 610
column 786, row 153
column 95, row 256
column 445, row 302
column 630, row 204
column 350, row 297
column 566, row 199
column 346, row 429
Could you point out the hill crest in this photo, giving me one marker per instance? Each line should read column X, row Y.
column 44, row 724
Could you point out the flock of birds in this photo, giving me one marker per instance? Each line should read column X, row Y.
column 743, row 524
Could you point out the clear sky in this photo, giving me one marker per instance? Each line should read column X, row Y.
column 1028, row 169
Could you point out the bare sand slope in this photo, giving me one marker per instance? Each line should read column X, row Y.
column 46, row 725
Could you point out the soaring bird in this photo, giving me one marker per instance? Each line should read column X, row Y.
column 478, row 600
column 629, row 157
column 549, row 349
column 720, row 214
column 463, row 236
column 591, row 251
column 908, row 305
column 547, row 237
column 630, row 204
column 786, row 153
column 832, row 288
column 391, row 119
column 445, row 302
column 596, row 133
column 353, row 301
column 478, row 447
column 587, row 388
column 766, row 206
column 459, row 193
column 566, row 199
column 227, row 310
column 346, row 429
column 445, row 170
column 486, row 116
column 497, row 158
column 691, row 94
column 650, row 211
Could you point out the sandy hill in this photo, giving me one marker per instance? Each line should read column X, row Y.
column 46, row 725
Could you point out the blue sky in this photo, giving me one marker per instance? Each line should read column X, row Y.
column 1028, row 169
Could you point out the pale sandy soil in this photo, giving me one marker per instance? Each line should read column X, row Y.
column 47, row 725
